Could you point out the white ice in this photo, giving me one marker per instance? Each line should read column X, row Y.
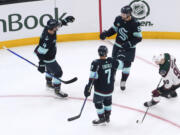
column 28, row 108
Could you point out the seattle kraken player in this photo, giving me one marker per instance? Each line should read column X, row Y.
column 128, row 35
column 46, row 52
column 103, row 72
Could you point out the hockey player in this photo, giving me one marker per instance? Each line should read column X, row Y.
column 171, row 78
column 128, row 35
column 46, row 52
column 102, row 75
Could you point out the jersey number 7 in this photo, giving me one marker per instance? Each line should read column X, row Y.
column 108, row 71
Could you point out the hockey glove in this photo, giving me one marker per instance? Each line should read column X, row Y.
column 41, row 67
column 103, row 35
column 87, row 91
column 156, row 93
column 69, row 19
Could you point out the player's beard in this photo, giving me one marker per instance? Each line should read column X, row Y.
column 127, row 18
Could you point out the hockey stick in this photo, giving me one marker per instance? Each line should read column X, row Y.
column 79, row 115
column 65, row 82
column 61, row 17
column 148, row 107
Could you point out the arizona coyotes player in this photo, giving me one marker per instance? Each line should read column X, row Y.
column 171, row 78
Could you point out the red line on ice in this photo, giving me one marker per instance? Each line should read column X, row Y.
column 77, row 98
column 146, row 61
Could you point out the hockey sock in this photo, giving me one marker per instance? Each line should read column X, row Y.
column 57, row 88
column 124, row 77
column 48, row 80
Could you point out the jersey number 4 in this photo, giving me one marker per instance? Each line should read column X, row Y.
column 108, row 71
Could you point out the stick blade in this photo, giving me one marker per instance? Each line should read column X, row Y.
column 73, row 118
column 70, row 81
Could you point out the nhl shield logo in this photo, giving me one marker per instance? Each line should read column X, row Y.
column 140, row 9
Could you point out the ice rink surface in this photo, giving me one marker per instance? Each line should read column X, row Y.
column 28, row 108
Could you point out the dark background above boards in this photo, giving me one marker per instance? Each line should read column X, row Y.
column 3, row 2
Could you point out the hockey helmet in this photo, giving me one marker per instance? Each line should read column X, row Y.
column 52, row 23
column 126, row 10
column 158, row 58
column 102, row 51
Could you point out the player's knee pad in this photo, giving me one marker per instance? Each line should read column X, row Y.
column 98, row 105
column 58, row 74
column 99, row 108
column 108, row 102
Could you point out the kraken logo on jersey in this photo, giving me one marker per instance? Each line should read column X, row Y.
column 123, row 34
column 140, row 9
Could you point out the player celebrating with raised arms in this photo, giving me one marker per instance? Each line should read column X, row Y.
column 128, row 35
column 46, row 52
column 102, row 76
column 170, row 76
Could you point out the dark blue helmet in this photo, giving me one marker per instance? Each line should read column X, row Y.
column 102, row 50
column 126, row 10
column 52, row 23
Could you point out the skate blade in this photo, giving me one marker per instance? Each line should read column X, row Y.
column 62, row 98
column 102, row 124
column 49, row 88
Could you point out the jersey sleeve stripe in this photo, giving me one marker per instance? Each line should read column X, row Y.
column 137, row 34
column 115, row 28
column 93, row 75
column 42, row 50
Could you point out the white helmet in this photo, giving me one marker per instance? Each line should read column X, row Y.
column 157, row 58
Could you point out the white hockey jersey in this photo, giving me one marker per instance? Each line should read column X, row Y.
column 172, row 76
